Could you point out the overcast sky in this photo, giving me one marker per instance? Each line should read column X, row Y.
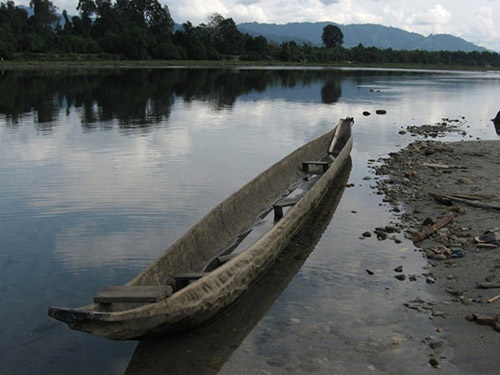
column 471, row 20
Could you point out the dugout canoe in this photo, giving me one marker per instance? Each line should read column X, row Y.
column 202, row 273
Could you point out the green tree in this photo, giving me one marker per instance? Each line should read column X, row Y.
column 225, row 35
column 86, row 8
column 45, row 16
column 332, row 36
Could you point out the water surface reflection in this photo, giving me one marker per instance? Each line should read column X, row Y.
column 141, row 98
column 102, row 170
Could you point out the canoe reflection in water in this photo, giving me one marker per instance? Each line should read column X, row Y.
column 205, row 349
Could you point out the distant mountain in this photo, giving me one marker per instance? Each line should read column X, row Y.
column 369, row 35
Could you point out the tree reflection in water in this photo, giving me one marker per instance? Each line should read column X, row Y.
column 137, row 98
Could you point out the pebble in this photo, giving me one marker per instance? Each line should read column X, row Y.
column 276, row 362
column 367, row 234
column 391, row 229
column 496, row 323
column 398, row 269
column 434, row 362
column 433, row 342
column 400, row 277
column 470, row 318
column 465, row 180
column 482, row 319
column 428, row 221
column 466, row 301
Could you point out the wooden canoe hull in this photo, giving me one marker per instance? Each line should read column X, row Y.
column 208, row 296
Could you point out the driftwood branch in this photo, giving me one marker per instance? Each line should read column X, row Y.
column 446, row 198
column 433, row 228
column 486, row 285
column 493, row 299
column 442, row 166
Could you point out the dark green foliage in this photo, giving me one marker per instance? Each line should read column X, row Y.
column 110, row 43
column 163, row 48
column 76, row 44
column 256, row 47
column 6, row 51
column 135, row 43
column 143, row 29
column 332, row 36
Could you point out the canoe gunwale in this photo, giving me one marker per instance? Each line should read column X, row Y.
column 204, row 298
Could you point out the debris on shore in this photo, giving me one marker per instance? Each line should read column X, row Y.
column 446, row 197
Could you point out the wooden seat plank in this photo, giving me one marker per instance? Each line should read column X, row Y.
column 324, row 164
column 278, row 207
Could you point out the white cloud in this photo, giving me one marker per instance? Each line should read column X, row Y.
column 436, row 15
column 197, row 11
column 247, row 2
column 431, row 20
column 482, row 28
column 250, row 13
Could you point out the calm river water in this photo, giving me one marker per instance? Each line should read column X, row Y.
column 100, row 171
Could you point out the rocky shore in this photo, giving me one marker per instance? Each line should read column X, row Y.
column 447, row 199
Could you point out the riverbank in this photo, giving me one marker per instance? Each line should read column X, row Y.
column 64, row 62
column 461, row 274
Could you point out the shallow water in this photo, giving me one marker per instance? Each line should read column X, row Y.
column 100, row 171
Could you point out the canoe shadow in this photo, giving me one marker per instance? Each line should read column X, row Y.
column 205, row 349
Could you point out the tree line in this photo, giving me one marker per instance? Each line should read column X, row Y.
column 144, row 29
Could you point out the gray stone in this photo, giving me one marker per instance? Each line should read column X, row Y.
column 434, row 362
column 276, row 362
column 465, row 180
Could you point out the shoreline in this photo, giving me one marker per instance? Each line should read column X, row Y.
column 151, row 64
column 456, row 263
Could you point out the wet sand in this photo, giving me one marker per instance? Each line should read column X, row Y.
column 456, row 263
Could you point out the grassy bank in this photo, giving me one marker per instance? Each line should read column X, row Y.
column 91, row 63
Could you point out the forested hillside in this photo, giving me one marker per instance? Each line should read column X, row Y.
column 140, row 30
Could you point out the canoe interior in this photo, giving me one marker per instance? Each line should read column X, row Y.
column 222, row 225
